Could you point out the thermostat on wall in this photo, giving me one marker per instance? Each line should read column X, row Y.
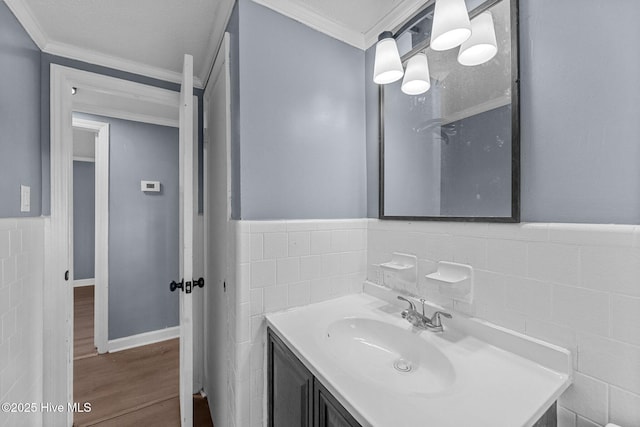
column 153, row 186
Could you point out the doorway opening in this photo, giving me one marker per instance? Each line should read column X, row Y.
column 106, row 96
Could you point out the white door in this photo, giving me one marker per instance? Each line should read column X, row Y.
column 186, row 242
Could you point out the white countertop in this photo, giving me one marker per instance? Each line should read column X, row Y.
column 501, row 378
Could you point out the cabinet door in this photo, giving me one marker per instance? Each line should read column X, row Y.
column 290, row 387
column 328, row 411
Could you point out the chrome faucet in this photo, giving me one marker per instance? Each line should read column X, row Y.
column 421, row 321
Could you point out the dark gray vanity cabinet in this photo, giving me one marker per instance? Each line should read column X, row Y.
column 328, row 412
column 295, row 397
column 290, row 387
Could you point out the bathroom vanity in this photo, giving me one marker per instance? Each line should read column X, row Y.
column 354, row 361
column 296, row 397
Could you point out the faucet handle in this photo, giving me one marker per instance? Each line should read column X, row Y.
column 435, row 319
column 422, row 300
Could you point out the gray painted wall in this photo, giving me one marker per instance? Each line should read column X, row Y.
column 580, row 110
column 302, row 120
column 579, row 113
column 19, row 115
column 84, row 220
column 46, row 61
column 143, row 227
column 372, row 135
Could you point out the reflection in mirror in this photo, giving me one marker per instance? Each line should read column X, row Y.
column 453, row 152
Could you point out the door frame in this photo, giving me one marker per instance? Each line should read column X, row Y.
column 101, row 272
column 221, row 65
column 58, row 288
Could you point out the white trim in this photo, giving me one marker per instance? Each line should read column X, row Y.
column 222, row 401
column 101, row 241
column 145, row 338
column 24, row 15
column 109, row 61
column 100, row 110
column 84, row 159
column 186, row 156
column 221, row 20
column 57, row 299
column 393, row 20
column 58, row 296
column 83, row 282
column 298, row 12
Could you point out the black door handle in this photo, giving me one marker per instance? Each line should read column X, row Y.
column 173, row 285
column 186, row 287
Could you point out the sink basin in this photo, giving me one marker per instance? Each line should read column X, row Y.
column 389, row 356
column 388, row 374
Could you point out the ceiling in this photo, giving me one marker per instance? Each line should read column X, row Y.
column 149, row 37
column 146, row 37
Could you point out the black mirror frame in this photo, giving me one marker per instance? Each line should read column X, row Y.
column 515, row 123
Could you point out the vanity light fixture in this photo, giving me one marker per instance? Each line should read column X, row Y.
column 387, row 66
column 451, row 28
column 416, row 78
column 451, row 25
column 482, row 45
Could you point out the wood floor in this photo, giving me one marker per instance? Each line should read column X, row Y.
column 83, row 297
column 135, row 387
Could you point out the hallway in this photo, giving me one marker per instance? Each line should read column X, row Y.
column 135, row 387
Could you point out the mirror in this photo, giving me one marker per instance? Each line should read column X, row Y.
column 453, row 153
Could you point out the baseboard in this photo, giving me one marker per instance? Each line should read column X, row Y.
column 146, row 338
column 84, row 282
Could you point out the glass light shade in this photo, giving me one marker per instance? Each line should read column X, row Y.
column 482, row 45
column 387, row 67
column 451, row 25
column 416, row 78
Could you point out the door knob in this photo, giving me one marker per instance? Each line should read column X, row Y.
column 186, row 287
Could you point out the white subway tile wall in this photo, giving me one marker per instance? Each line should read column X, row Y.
column 284, row 264
column 21, row 327
column 574, row 285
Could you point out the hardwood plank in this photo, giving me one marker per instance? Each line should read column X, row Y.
column 116, row 382
column 136, row 387
column 201, row 414
column 83, row 326
column 162, row 414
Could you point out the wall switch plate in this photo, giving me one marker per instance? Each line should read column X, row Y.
column 25, row 198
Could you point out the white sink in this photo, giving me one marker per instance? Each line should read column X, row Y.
column 472, row 374
column 388, row 356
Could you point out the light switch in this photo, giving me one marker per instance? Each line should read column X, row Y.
column 25, row 198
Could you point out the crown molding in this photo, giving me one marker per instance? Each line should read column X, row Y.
column 24, row 15
column 222, row 16
column 304, row 15
column 394, row 19
column 28, row 21
column 96, row 58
